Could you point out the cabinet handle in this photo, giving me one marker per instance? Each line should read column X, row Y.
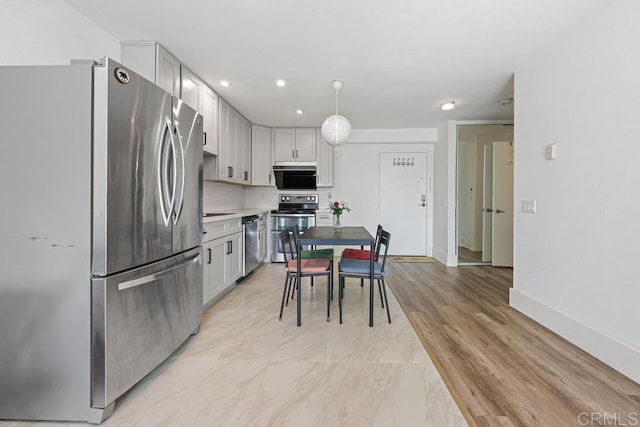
column 229, row 172
column 205, row 138
column 246, row 176
column 229, row 247
column 293, row 154
column 209, row 250
column 269, row 178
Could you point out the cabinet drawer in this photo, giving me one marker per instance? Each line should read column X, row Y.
column 214, row 230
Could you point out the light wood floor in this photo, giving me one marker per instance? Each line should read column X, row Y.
column 501, row 367
column 466, row 255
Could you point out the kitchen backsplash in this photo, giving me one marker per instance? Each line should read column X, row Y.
column 267, row 197
column 220, row 196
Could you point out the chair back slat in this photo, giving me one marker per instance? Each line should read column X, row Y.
column 385, row 239
column 287, row 246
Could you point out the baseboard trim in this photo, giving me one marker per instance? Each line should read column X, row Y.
column 614, row 353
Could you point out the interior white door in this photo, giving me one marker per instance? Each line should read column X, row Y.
column 403, row 201
column 487, row 203
column 502, row 237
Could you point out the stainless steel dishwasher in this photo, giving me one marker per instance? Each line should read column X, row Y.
column 251, row 254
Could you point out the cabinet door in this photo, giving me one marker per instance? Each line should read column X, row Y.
column 210, row 117
column 167, row 71
column 305, row 145
column 234, row 257
column 191, row 89
column 223, row 139
column 325, row 161
column 246, row 158
column 232, row 144
column 218, row 274
column 207, row 262
column 261, row 161
column 284, row 145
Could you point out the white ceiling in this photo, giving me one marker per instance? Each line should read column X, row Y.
column 398, row 59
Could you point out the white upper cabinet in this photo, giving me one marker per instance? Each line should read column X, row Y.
column 297, row 145
column 246, row 152
column 154, row 63
column 210, row 125
column 325, row 156
column 305, row 145
column 261, row 159
column 191, row 89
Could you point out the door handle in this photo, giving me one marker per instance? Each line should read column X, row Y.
column 422, row 204
column 488, row 210
column 499, row 211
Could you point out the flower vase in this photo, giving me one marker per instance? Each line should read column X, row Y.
column 337, row 225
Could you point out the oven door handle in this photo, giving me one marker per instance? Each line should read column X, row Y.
column 293, row 215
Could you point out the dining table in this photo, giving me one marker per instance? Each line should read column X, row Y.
column 329, row 236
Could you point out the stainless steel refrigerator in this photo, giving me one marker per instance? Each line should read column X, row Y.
column 101, row 272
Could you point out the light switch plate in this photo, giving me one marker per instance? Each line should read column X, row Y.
column 529, row 206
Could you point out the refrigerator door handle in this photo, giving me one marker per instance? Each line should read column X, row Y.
column 182, row 173
column 166, row 201
column 153, row 277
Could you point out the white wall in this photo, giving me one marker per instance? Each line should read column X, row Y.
column 50, row 32
column 575, row 259
column 441, row 206
column 356, row 178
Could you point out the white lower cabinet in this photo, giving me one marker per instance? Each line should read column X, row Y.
column 222, row 257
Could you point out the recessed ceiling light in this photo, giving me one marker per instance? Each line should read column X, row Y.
column 281, row 83
column 446, row 106
column 224, row 83
column 299, row 112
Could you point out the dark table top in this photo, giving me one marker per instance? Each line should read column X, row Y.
column 328, row 236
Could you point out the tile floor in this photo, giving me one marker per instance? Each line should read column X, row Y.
column 246, row 368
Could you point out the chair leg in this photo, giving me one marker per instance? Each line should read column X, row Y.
column 386, row 301
column 329, row 280
column 362, row 283
column 284, row 295
column 340, row 283
column 293, row 288
column 287, row 285
column 380, row 291
column 312, row 280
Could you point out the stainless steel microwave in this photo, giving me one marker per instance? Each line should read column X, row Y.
column 295, row 175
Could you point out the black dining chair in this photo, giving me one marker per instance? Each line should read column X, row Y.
column 310, row 253
column 364, row 253
column 310, row 267
column 360, row 269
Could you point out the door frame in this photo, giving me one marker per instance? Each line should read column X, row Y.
column 452, row 183
column 428, row 150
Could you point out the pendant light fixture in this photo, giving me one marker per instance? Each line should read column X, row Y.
column 336, row 129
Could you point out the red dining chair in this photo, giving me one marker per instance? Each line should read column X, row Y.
column 365, row 254
column 310, row 267
column 361, row 269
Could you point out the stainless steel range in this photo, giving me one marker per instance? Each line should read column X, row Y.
column 293, row 209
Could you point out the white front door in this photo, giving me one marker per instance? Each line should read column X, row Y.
column 502, row 253
column 403, row 201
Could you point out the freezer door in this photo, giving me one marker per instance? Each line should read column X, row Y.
column 138, row 319
column 187, row 206
column 133, row 134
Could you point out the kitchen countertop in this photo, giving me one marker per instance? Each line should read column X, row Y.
column 235, row 213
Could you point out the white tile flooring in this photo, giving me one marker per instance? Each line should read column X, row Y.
column 246, row 368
